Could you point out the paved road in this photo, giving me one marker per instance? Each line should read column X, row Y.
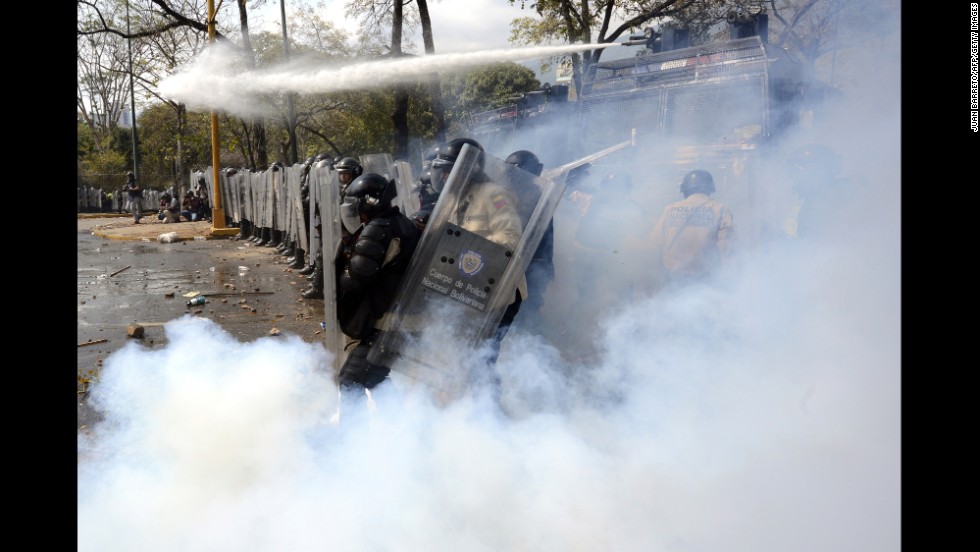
column 126, row 278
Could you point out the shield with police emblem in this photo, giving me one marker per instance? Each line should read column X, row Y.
column 470, row 261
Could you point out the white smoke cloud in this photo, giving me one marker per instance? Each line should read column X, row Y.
column 218, row 79
column 758, row 412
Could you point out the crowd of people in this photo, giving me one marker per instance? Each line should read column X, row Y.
column 691, row 239
column 606, row 228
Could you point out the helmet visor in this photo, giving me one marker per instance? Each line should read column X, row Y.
column 348, row 214
column 439, row 177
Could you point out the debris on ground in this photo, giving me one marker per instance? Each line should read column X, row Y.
column 135, row 330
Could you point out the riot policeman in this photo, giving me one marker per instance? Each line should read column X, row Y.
column 694, row 234
column 541, row 270
column 370, row 266
column 348, row 169
column 427, row 199
column 489, row 210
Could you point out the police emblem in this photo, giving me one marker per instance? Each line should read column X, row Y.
column 470, row 263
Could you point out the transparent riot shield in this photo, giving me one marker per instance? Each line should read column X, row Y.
column 489, row 219
column 378, row 163
column 276, row 197
column 329, row 193
column 406, row 201
column 262, row 199
column 319, row 175
column 249, row 181
column 297, row 222
column 233, row 180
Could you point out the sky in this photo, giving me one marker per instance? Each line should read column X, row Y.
column 758, row 412
column 458, row 25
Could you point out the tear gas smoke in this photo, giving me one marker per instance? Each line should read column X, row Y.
column 216, row 80
column 759, row 411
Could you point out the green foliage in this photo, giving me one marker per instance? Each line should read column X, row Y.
column 484, row 88
column 102, row 163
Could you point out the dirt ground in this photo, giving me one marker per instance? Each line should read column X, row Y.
column 126, row 276
column 122, row 227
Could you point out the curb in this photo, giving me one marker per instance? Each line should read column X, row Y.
column 109, row 236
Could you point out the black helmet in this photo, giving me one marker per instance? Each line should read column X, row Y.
column 130, row 176
column 321, row 157
column 446, row 154
column 372, row 193
column 349, row 164
column 698, row 181
column 310, row 160
column 430, row 154
column 421, row 217
column 427, row 194
column 525, row 160
column 200, row 180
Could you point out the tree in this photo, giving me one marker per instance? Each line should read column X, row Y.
column 485, row 88
column 102, row 75
column 435, row 95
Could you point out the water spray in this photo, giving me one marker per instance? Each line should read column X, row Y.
column 213, row 81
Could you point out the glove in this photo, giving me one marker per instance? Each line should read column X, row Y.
column 357, row 371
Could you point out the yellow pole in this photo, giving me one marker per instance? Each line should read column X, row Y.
column 218, row 227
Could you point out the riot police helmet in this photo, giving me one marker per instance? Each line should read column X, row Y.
column 446, row 157
column 447, row 153
column 321, row 157
column 525, row 160
column 130, row 176
column 697, row 181
column 349, row 164
column 427, row 194
column 430, row 154
column 371, row 193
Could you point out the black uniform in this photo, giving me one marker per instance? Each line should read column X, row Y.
column 366, row 287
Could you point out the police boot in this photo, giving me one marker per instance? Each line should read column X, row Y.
column 289, row 250
column 308, row 269
column 317, row 274
column 244, row 230
column 256, row 234
column 265, row 237
column 315, row 291
column 298, row 260
column 275, row 236
column 316, row 284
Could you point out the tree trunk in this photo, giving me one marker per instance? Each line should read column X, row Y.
column 435, row 86
column 399, row 116
column 258, row 125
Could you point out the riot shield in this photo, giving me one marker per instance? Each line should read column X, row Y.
column 329, row 193
column 378, row 163
column 297, row 223
column 472, row 256
column 313, row 222
column 276, row 178
column 406, row 201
